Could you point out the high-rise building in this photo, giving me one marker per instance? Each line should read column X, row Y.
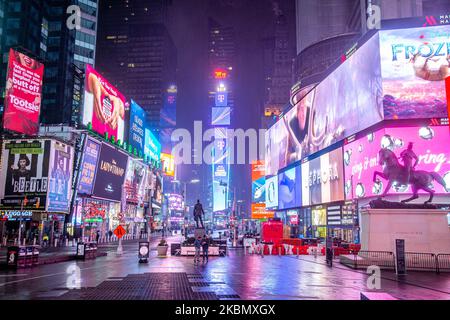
column 136, row 53
column 39, row 28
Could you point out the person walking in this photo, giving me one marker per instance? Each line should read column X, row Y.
column 198, row 212
column 205, row 248
column 97, row 236
column 197, row 245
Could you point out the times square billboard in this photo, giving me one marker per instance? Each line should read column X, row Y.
column 396, row 74
column 220, row 170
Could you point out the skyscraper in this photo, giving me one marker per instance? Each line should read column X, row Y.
column 136, row 52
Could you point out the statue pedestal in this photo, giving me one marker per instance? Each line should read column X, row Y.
column 199, row 232
column 424, row 230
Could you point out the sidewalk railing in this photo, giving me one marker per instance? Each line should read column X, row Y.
column 415, row 261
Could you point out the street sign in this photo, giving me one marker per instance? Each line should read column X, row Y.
column 400, row 257
column 120, row 232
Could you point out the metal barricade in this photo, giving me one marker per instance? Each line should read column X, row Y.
column 443, row 262
column 420, row 261
column 382, row 259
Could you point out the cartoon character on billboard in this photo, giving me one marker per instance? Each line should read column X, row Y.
column 431, row 68
column 21, row 171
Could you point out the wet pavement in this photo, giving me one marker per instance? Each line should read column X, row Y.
column 236, row 276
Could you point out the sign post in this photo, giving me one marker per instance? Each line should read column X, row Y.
column 120, row 232
column 400, row 261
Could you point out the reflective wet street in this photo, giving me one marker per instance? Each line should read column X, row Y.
column 236, row 276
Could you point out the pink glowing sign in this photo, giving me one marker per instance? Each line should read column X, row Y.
column 361, row 158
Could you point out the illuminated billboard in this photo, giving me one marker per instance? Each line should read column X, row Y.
column 259, row 211
column 272, row 192
column 289, row 188
column 168, row 164
column 361, row 159
column 221, row 99
column 258, row 182
column 276, row 143
column 323, row 179
column 152, row 147
column 168, row 117
column 414, row 65
column 221, row 116
column 220, row 170
column 175, row 202
column 23, row 94
column 104, row 106
column 134, row 186
column 220, row 73
column 88, row 166
column 137, row 128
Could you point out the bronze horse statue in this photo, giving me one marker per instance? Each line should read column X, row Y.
column 393, row 171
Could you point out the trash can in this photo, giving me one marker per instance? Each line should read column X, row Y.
column 144, row 251
column 12, row 256
column 81, row 250
column 29, row 256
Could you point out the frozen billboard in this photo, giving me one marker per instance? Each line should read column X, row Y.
column 414, row 65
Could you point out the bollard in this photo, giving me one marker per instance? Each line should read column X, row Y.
column 262, row 250
column 24, row 242
column 34, row 241
column 315, row 252
column 279, row 250
column 56, row 243
column 298, row 252
column 67, row 242
column 73, row 242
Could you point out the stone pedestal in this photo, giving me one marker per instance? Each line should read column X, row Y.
column 199, row 232
column 424, row 230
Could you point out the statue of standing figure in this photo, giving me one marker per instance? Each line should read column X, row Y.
column 406, row 174
column 198, row 212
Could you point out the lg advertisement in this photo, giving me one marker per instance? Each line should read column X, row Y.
column 23, row 94
column 289, row 188
column 25, row 167
column 323, row 179
column 414, row 65
column 110, row 177
column 89, row 166
column 60, row 177
column 104, row 106
column 272, row 192
column 361, row 159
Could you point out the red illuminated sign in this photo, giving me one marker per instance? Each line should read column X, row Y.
column 447, row 87
column 220, row 74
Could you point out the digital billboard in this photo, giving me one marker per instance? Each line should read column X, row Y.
column 221, row 116
column 258, row 182
column 323, row 179
column 60, row 177
column 361, row 159
column 344, row 103
column 259, row 211
column 168, row 117
column 289, row 188
column 276, row 142
column 134, row 187
column 220, row 170
column 88, row 166
column 24, row 174
column 110, row 177
column 168, row 164
column 272, row 192
column 176, row 202
column 414, row 65
column 137, row 127
column 23, row 94
column 104, row 106
column 221, row 99
column 152, row 147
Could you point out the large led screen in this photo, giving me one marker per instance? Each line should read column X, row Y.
column 272, row 192
column 135, row 178
column 289, row 188
column 110, row 177
column 24, row 174
column 88, row 166
column 104, row 106
column 220, row 116
column 137, row 127
column 276, row 143
column 152, row 147
column 414, row 64
column 323, row 179
column 346, row 102
column 259, row 211
column 220, row 170
column 258, row 182
column 23, row 94
column 361, row 158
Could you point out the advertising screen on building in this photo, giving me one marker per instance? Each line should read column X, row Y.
column 104, row 106
column 347, row 101
column 259, row 211
column 24, row 174
column 221, row 99
column 23, row 94
column 258, row 182
column 168, row 117
column 414, row 65
column 168, row 164
column 323, row 179
column 289, row 188
column 272, row 192
column 175, row 202
column 60, row 177
column 276, row 143
column 220, row 116
column 361, row 158
column 110, row 177
column 137, row 127
column 134, row 187
column 220, row 170
column 152, row 147
column 88, row 166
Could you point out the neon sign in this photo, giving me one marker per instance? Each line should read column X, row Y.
column 220, row 74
